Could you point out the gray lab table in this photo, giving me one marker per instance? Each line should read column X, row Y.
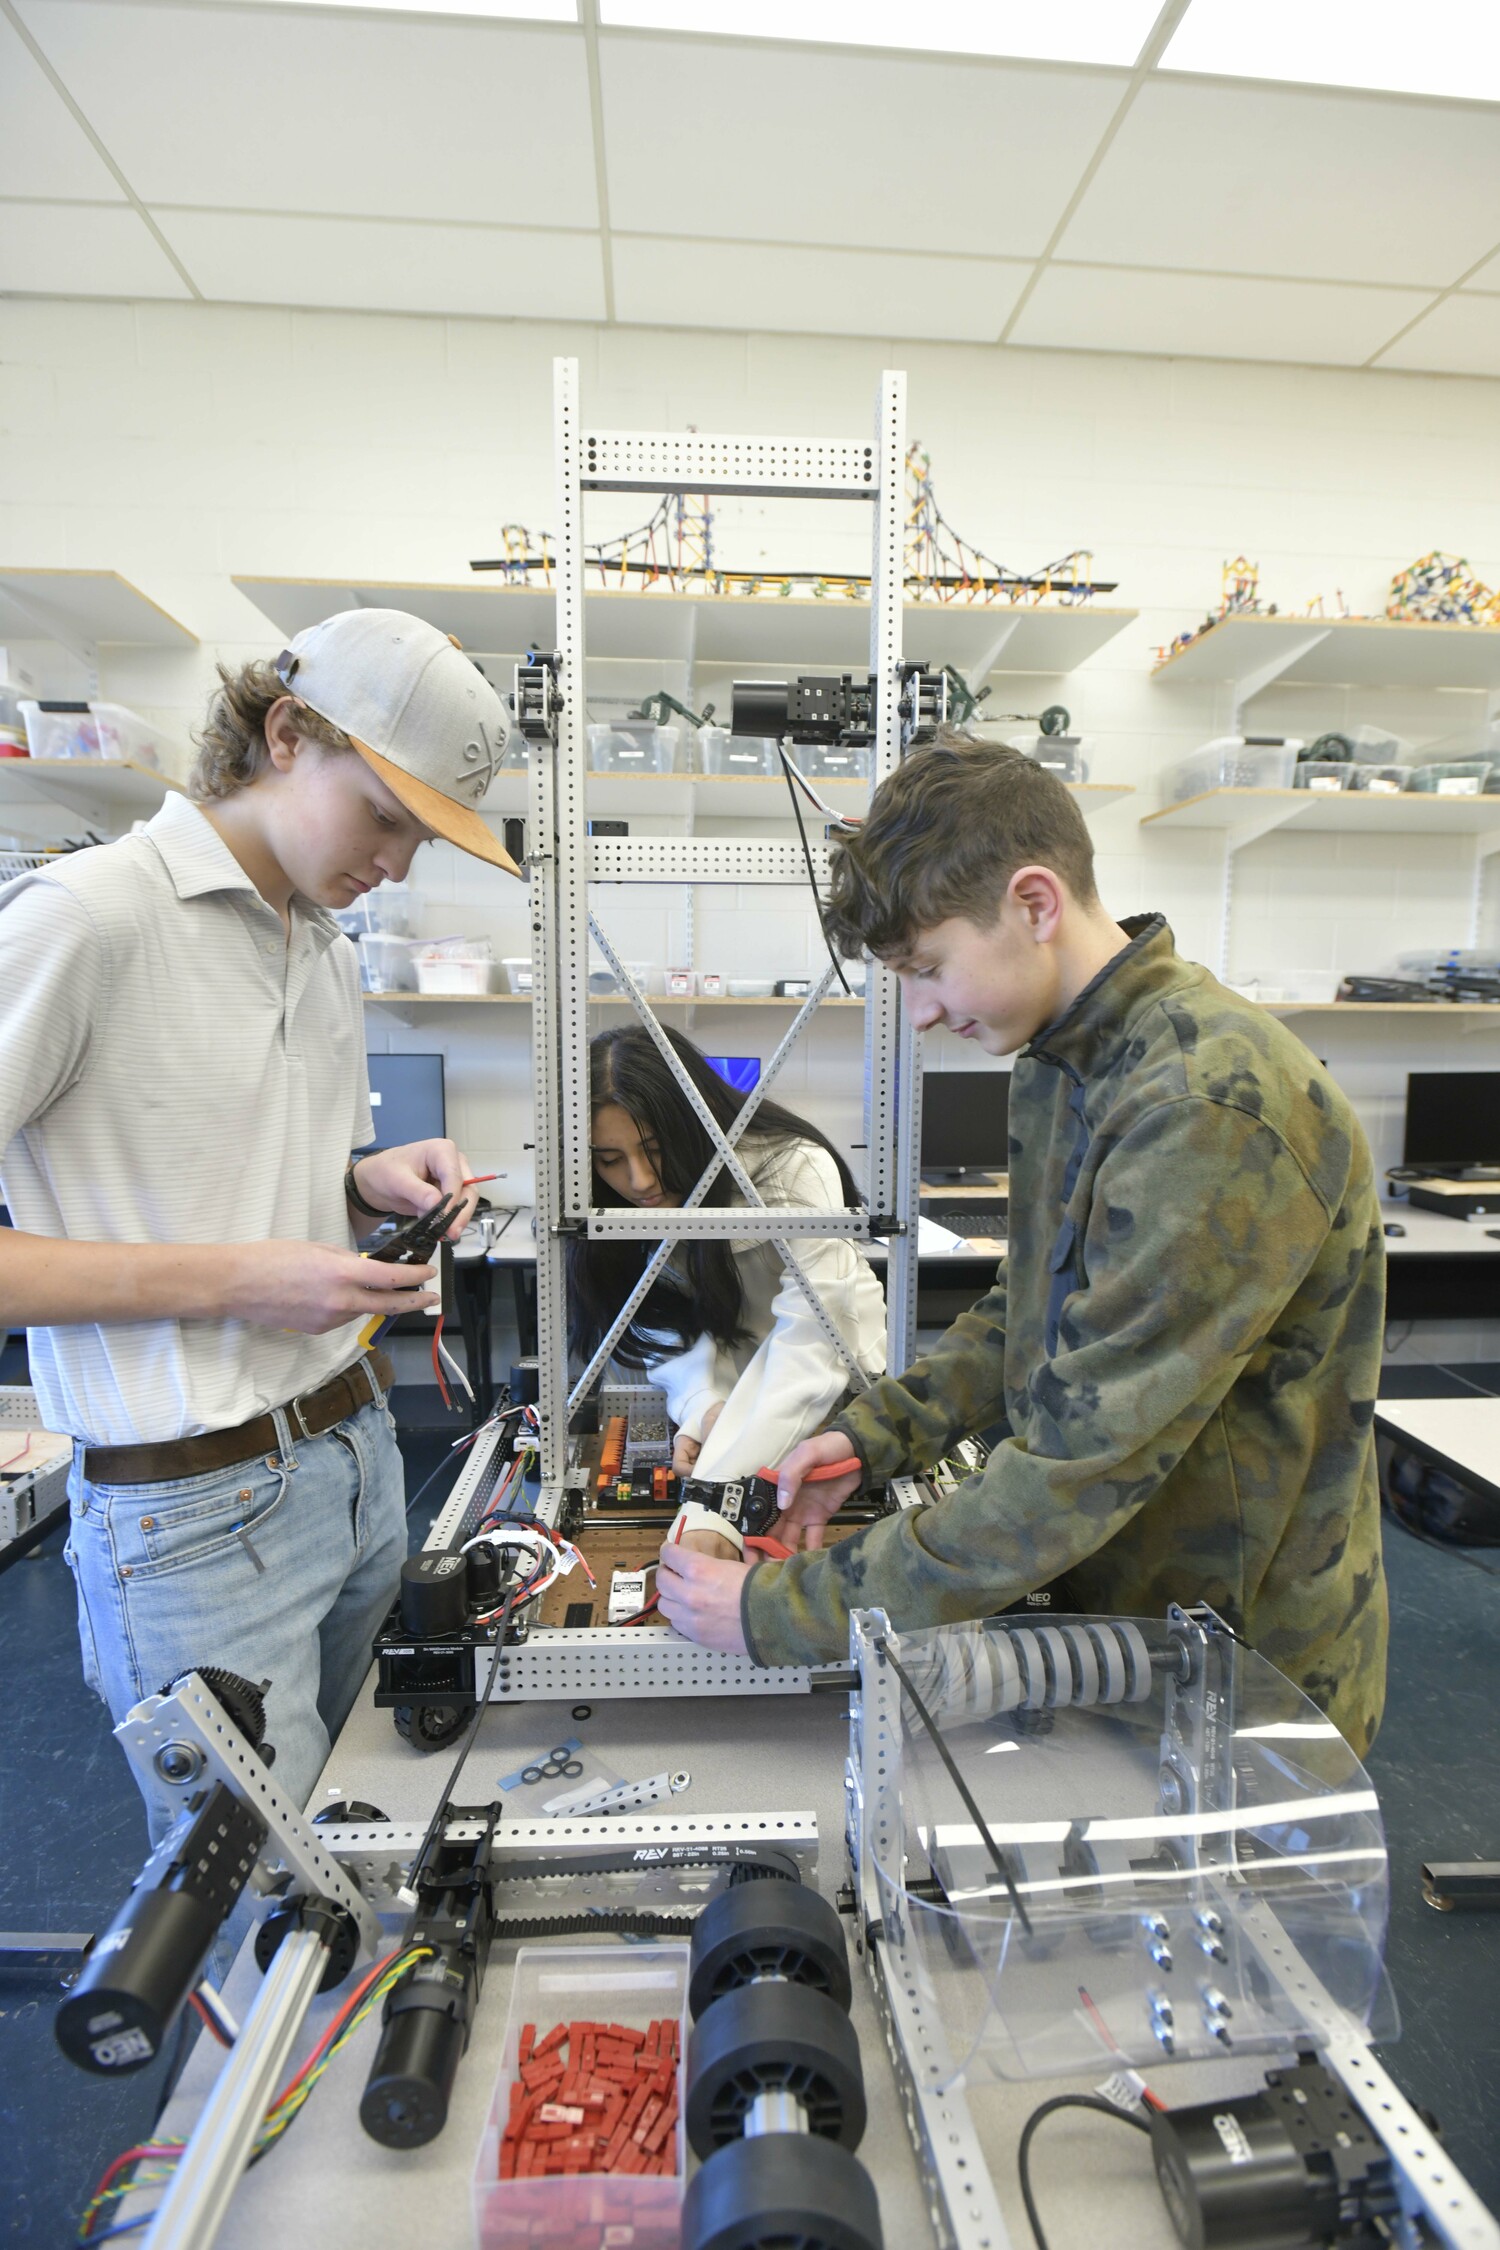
column 328, row 2182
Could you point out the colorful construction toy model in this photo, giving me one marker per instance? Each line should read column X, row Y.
column 1440, row 589
column 1239, row 596
column 674, row 548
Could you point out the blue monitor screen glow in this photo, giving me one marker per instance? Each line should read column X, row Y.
column 742, row 1072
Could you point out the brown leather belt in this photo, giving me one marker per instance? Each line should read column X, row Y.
column 361, row 1384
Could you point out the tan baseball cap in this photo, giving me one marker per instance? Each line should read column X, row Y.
column 416, row 709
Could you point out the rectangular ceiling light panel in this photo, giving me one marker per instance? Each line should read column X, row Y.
column 1089, row 31
column 519, row 11
column 1387, row 46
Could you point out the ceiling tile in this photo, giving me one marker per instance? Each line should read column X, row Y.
column 43, row 149
column 1488, row 276
column 1246, row 179
column 82, row 250
column 268, row 110
column 381, row 265
column 1461, row 336
column 816, row 292
column 1099, row 308
column 895, row 153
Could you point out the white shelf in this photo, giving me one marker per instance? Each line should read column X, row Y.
column 1342, row 812
column 596, row 1000
column 1251, row 652
column 87, row 607
column 492, row 619
column 754, row 797
column 107, row 792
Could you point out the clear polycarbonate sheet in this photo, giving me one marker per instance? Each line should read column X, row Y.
column 1187, row 1834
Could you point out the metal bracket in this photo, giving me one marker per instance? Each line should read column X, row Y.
column 604, row 1663
column 174, row 1740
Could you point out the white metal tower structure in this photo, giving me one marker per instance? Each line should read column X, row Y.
column 550, row 704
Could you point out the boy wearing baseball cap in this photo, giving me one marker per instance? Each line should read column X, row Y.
column 182, row 1080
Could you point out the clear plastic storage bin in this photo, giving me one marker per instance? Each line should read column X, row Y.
column 1321, row 774
column 719, row 751
column 1380, row 781
column 384, row 912
column 634, row 1986
column 1465, row 777
column 605, row 985
column 1377, row 746
column 1232, row 762
column 833, row 761
column 122, row 734
column 385, row 963
column 1061, row 754
column 67, row 730
column 518, row 973
column 454, row 965
column 633, row 750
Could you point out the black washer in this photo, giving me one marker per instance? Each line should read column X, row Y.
column 583, row 1710
column 767, row 1930
column 768, row 2038
column 781, row 2188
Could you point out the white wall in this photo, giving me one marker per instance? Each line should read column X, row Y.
column 182, row 444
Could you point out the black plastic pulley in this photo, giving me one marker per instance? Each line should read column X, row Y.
column 755, row 1931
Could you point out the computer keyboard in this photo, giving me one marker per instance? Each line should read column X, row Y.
column 971, row 1225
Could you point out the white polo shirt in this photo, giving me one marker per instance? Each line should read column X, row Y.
column 174, row 1069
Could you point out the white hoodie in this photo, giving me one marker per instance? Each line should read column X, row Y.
column 778, row 1386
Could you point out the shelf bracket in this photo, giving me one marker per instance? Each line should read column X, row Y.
column 1244, row 832
column 1486, row 844
column 992, row 655
column 1266, row 675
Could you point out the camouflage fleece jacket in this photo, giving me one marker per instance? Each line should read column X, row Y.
column 1184, row 1341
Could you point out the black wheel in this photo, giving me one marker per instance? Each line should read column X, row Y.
column 772, row 2038
column 781, row 2192
column 427, row 1726
column 764, row 1930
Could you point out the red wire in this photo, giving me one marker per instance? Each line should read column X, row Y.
column 113, row 2171
column 437, row 1365
column 211, row 2020
column 15, row 1457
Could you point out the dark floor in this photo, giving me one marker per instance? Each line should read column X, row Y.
column 71, row 1839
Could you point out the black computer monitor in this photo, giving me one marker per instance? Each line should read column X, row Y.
column 742, row 1072
column 1452, row 1117
column 965, row 1119
column 406, row 1099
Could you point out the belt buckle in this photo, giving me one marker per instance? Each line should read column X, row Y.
column 294, row 1415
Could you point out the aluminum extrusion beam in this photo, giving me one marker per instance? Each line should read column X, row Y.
column 690, row 461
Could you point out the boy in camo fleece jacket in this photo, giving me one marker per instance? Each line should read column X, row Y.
column 1184, row 1340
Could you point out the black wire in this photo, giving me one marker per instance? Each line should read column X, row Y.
column 1002, row 1867
column 791, row 787
column 1023, row 2152
column 481, row 1705
column 507, row 1414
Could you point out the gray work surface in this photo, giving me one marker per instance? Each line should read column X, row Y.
column 328, row 2182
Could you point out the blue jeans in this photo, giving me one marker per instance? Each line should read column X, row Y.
column 279, row 1568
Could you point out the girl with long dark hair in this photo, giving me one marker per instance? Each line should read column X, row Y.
column 725, row 1330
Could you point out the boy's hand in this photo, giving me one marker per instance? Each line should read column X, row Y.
column 308, row 1286
column 806, row 1508
column 701, row 1596
column 415, row 1179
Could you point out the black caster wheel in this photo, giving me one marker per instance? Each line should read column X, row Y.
column 781, row 2191
column 756, row 1931
column 771, row 2039
column 427, row 1726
